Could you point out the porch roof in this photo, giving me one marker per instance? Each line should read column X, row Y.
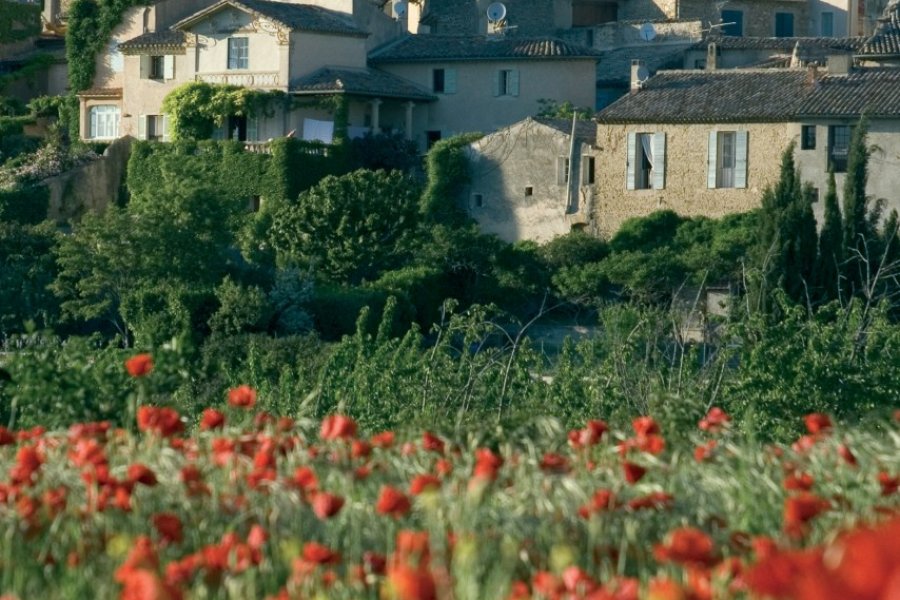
column 359, row 82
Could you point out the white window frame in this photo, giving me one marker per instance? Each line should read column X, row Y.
column 653, row 178
column 104, row 121
column 727, row 159
column 562, row 170
column 240, row 53
column 588, row 169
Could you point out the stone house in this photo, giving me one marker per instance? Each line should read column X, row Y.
column 709, row 142
column 727, row 52
column 532, row 180
column 483, row 83
column 883, row 47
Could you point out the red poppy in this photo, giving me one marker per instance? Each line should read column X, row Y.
column 645, row 426
column 686, row 546
column 212, row 419
column 432, row 443
column 161, row 421
column 335, row 427
column 141, row 556
column 817, row 423
column 554, row 463
column 408, row 583
column 421, row 483
column 305, row 479
column 142, row 584
column 139, row 473
column 321, row 555
column 28, row 461
column 704, row 451
column 662, row 588
column 6, row 437
column 385, row 439
column 888, row 484
column 800, row 509
column 392, row 501
column 487, row 464
column 799, row 482
column 601, row 501
column 169, row 527
column 656, row 500
column 847, row 455
column 327, row 505
column 360, row 449
column 715, row 420
column 242, row 396
column 412, row 546
column 633, row 472
column 443, row 467
column 139, row 365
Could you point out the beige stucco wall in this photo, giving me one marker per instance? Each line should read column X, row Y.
column 212, row 43
column 145, row 96
column 686, row 189
column 503, row 164
column 475, row 108
column 311, row 51
column 884, row 164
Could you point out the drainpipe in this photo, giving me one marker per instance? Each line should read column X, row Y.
column 570, row 204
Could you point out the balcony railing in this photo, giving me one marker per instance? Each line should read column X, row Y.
column 242, row 78
column 312, row 148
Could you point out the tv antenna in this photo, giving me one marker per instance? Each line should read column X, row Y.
column 399, row 9
column 648, row 32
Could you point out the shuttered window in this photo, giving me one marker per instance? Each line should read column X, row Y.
column 104, row 122
column 727, row 159
column 646, row 162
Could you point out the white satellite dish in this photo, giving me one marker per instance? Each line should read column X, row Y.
column 399, row 9
column 648, row 32
column 496, row 12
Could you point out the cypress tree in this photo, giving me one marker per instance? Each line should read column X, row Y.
column 831, row 246
column 856, row 231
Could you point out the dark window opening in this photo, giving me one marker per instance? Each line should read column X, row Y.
column 784, row 24
column 587, row 170
column 432, row 137
column 478, row 200
column 237, row 128
column 157, row 67
column 437, row 80
column 733, row 23
column 808, row 137
column 643, row 179
column 529, row 191
column 586, row 13
column 838, row 147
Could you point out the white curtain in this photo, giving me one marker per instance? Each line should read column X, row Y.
column 647, row 145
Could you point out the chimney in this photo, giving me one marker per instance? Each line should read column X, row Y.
column 712, row 57
column 839, row 64
column 812, row 74
column 638, row 75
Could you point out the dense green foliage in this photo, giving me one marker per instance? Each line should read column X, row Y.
column 28, row 267
column 196, row 108
column 25, row 204
column 19, row 21
column 447, row 174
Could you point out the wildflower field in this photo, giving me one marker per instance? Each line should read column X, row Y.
column 247, row 505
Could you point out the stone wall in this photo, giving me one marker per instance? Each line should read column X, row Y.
column 93, row 186
column 686, row 189
column 758, row 15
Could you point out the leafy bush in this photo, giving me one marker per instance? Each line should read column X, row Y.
column 26, row 253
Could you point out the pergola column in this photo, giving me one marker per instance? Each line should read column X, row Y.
column 409, row 119
column 376, row 115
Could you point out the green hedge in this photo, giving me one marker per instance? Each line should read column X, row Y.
column 26, row 204
column 295, row 166
column 19, row 21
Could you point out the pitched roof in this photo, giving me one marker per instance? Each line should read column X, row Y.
column 298, row 17
column 746, row 96
column 886, row 39
column 614, row 67
column 787, row 44
column 360, row 82
column 585, row 131
column 156, row 40
column 415, row 48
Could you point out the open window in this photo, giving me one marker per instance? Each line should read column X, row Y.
column 727, row 159
column 646, row 161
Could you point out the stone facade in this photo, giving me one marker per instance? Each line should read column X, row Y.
column 758, row 16
column 685, row 190
column 517, row 190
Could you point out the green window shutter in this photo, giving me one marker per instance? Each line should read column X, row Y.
column 513, row 83
column 740, row 160
column 630, row 161
column 449, row 81
column 169, row 66
column 659, row 160
column 142, row 127
column 711, row 160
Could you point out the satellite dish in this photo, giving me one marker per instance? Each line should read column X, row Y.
column 399, row 9
column 648, row 32
column 496, row 12
column 643, row 74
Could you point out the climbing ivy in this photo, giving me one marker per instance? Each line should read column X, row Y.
column 195, row 109
column 19, row 21
column 88, row 30
column 34, row 65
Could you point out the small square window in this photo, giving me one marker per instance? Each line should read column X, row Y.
column 478, row 200
column 587, row 169
column 238, row 53
column 529, row 190
column 808, row 137
column 157, row 67
column 437, row 81
column 815, row 194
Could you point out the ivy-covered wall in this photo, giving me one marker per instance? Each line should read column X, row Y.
column 19, row 21
column 24, row 204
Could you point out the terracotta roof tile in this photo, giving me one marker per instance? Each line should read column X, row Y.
column 414, row 48
column 361, row 82
column 154, row 40
column 886, row 39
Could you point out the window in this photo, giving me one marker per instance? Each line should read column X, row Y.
column 587, row 169
column 506, row 82
column 784, row 24
column 238, row 53
column 838, row 147
column 586, row 13
column 529, row 190
column 104, row 122
column 153, row 127
column 562, row 170
column 477, row 200
column 733, row 23
column 808, row 137
column 727, row 159
column 157, row 67
column 432, row 138
column 828, row 24
column 646, row 162
column 443, row 81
